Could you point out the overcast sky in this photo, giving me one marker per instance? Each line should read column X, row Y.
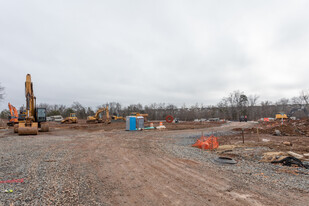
column 153, row 51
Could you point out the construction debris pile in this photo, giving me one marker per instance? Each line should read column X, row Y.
column 288, row 128
column 286, row 158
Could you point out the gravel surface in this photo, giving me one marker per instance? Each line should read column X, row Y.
column 248, row 167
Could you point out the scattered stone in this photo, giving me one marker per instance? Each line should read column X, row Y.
column 226, row 147
column 277, row 132
column 287, row 143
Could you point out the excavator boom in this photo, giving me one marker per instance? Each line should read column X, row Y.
column 30, row 98
column 14, row 115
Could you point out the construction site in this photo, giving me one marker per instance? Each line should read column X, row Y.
column 164, row 102
column 114, row 160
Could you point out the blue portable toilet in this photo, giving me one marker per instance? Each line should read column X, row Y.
column 131, row 123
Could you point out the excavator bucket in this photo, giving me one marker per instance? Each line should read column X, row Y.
column 44, row 127
column 28, row 130
column 16, row 128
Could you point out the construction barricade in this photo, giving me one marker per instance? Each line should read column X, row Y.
column 207, row 142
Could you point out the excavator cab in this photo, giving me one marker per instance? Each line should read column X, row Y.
column 41, row 115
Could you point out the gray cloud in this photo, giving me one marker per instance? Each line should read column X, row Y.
column 153, row 51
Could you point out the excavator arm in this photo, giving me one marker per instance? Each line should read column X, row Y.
column 99, row 111
column 14, row 115
column 96, row 118
column 11, row 109
column 30, row 98
column 300, row 108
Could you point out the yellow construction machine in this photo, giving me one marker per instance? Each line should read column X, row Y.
column 101, row 116
column 35, row 118
column 71, row 119
column 139, row 114
column 281, row 115
column 115, row 117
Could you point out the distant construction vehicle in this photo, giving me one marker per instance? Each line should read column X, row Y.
column 101, row 116
column 301, row 108
column 13, row 118
column 281, row 116
column 35, row 118
column 55, row 118
column 139, row 114
column 72, row 119
column 116, row 117
column 242, row 118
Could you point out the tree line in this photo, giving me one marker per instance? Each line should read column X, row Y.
column 231, row 107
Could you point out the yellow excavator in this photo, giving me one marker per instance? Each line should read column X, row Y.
column 281, row 115
column 101, row 116
column 71, row 119
column 35, row 118
column 116, row 117
column 139, row 114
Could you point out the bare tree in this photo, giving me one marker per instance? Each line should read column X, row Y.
column 79, row 110
column 267, row 109
column 253, row 100
column 282, row 105
column 253, row 113
column 238, row 103
column 304, row 97
column 115, row 108
column 223, row 108
column 296, row 100
column 90, row 112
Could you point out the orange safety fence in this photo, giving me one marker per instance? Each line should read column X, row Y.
column 207, row 142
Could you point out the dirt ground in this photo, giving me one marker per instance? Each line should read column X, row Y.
column 294, row 131
column 105, row 165
column 120, row 125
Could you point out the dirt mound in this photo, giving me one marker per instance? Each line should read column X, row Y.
column 288, row 128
